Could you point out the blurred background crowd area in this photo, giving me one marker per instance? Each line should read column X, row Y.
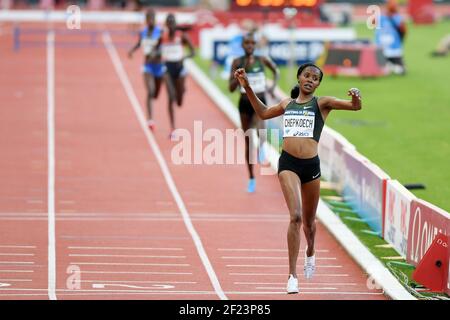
column 270, row 9
column 308, row 12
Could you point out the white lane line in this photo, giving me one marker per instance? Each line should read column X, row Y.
column 16, row 254
column 263, row 250
column 20, row 214
column 125, row 248
column 135, row 272
column 140, row 214
column 273, row 258
column 18, row 271
column 126, row 215
column 300, row 283
column 146, row 291
column 23, row 294
column 272, row 266
column 131, row 281
column 122, row 292
column 18, row 247
column 17, row 262
column 124, row 218
column 51, row 164
column 357, row 293
column 17, row 280
column 238, row 220
column 283, row 274
column 237, row 215
column 162, row 163
column 24, row 218
column 281, row 288
column 130, row 264
column 124, row 256
column 133, row 291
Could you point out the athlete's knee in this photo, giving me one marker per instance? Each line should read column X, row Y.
column 296, row 216
column 309, row 226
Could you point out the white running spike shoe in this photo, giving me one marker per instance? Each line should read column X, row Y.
column 292, row 285
column 309, row 267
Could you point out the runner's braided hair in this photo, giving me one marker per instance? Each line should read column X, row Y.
column 296, row 89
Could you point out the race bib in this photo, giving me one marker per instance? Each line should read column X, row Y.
column 172, row 52
column 257, row 82
column 148, row 45
column 299, row 123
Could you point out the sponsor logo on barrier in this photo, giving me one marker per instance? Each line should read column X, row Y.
column 371, row 194
column 403, row 218
column 363, row 187
column 398, row 203
column 331, row 155
column 338, row 170
column 425, row 224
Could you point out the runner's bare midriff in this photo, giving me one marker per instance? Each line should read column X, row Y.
column 302, row 148
column 153, row 58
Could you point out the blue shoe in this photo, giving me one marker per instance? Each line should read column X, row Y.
column 251, row 185
column 262, row 154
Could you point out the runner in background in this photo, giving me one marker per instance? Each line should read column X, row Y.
column 235, row 45
column 172, row 49
column 389, row 35
column 153, row 68
column 254, row 66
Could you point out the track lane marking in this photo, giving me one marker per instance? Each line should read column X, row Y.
column 169, row 292
column 51, row 164
column 137, row 281
column 264, row 250
column 283, row 274
column 18, row 247
column 273, row 266
column 162, row 163
column 130, row 264
column 300, row 283
column 134, row 272
column 125, row 248
column 275, row 258
column 125, row 256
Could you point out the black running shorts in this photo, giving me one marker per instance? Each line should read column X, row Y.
column 245, row 106
column 175, row 69
column 306, row 169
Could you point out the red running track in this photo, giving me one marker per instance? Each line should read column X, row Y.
column 119, row 224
